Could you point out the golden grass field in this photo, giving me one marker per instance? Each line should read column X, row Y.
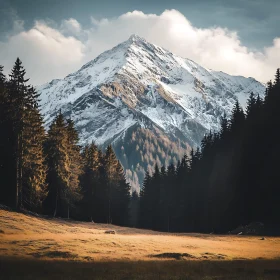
column 39, row 248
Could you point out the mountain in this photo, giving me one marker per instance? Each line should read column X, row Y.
column 151, row 104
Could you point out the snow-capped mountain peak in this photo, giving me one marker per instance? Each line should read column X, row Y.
column 140, row 85
column 135, row 38
column 145, row 77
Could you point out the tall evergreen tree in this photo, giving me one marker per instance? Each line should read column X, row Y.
column 111, row 164
column 7, row 166
column 251, row 102
column 146, row 202
column 90, row 180
column 19, row 100
column 170, row 198
column 120, row 198
column 134, row 209
column 277, row 77
column 58, row 162
column 64, row 167
column 34, row 188
column 2, row 76
column 22, row 141
column 74, row 190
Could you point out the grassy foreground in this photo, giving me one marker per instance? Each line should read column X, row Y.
column 38, row 248
column 130, row 270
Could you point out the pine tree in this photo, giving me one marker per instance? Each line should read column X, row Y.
column 34, row 188
column 146, row 203
column 2, row 76
column 268, row 91
column 24, row 141
column 162, row 212
column 237, row 118
column 6, row 145
column 59, row 171
column 73, row 192
column 134, row 209
column 19, row 100
column 155, row 197
column 90, row 180
column 120, row 198
column 277, row 77
column 170, row 201
column 250, row 104
column 185, row 197
column 112, row 192
column 111, row 164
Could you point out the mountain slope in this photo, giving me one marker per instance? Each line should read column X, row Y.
column 138, row 88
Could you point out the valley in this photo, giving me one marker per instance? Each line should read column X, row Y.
column 34, row 243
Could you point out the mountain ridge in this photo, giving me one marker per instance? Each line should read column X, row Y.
column 138, row 86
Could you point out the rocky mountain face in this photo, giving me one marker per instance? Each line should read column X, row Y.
column 150, row 104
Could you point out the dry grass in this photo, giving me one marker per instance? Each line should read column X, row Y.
column 24, row 269
column 130, row 253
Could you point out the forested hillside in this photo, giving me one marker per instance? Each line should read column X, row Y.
column 232, row 179
column 140, row 89
column 48, row 172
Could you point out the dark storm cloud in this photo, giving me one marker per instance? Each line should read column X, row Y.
column 8, row 17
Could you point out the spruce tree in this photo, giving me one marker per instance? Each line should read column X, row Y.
column 34, row 188
column 170, row 201
column 134, row 209
column 2, row 76
column 111, row 164
column 156, row 187
column 59, row 171
column 146, row 202
column 24, row 141
column 6, row 145
column 120, row 198
column 251, row 102
column 112, row 192
column 224, row 127
column 162, row 199
column 73, row 192
column 90, row 181
column 19, row 100
column 277, row 77
column 237, row 118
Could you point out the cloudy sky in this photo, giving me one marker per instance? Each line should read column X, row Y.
column 56, row 37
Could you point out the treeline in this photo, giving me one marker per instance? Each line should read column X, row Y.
column 232, row 179
column 48, row 172
column 144, row 148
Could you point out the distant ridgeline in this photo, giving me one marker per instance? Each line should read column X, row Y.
column 232, row 179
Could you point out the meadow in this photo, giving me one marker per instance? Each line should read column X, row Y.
column 34, row 247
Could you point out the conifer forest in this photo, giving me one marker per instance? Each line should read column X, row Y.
column 232, row 179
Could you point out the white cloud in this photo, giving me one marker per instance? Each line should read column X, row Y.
column 45, row 52
column 71, row 26
column 51, row 53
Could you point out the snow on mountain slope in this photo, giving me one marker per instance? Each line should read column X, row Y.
column 138, row 84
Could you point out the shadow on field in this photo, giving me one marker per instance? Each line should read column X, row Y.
column 54, row 254
column 186, row 256
column 176, row 256
column 127, row 270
